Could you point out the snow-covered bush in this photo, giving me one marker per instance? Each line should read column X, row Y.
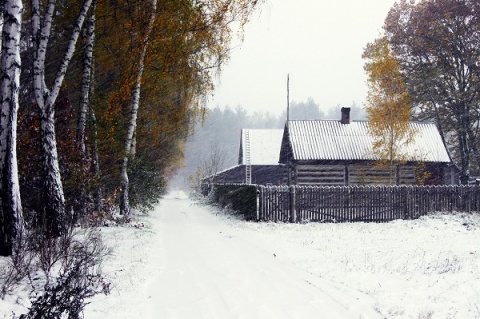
column 60, row 273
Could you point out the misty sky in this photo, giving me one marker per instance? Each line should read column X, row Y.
column 318, row 42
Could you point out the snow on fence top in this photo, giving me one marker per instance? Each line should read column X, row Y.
column 332, row 140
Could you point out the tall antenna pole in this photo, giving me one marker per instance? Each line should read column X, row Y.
column 288, row 98
column 288, row 130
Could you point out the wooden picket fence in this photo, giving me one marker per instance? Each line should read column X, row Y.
column 362, row 203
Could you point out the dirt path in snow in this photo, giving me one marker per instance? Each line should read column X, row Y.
column 212, row 270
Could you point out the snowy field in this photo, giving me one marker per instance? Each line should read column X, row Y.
column 186, row 260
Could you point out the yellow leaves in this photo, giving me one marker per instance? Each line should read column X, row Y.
column 189, row 40
column 388, row 104
column 422, row 174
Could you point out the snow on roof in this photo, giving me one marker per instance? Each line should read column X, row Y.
column 264, row 148
column 332, row 140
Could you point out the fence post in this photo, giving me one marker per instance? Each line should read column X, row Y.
column 292, row 204
column 258, row 203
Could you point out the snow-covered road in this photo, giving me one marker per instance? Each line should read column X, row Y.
column 208, row 269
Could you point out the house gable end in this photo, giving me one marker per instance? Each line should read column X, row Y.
column 286, row 147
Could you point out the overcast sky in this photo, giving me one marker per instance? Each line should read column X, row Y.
column 318, row 42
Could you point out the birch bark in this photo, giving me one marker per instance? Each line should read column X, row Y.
column 84, row 107
column 134, row 105
column 54, row 218
column 86, row 82
column 98, row 200
column 2, row 11
column 11, row 218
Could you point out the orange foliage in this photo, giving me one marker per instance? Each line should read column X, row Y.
column 188, row 42
column 388, row 105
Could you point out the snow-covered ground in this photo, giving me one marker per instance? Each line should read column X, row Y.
column 186, row 260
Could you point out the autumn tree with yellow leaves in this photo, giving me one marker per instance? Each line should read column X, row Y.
column 388, row 106
column 152, row 81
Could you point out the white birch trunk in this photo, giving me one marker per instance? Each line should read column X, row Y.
column 98, row 201
column 54, row 219
column 45, row 98
column 2, row 10
column 86, row 82
column 132, row 123
column 84, row 105
column 98, row 198
column 11, row 218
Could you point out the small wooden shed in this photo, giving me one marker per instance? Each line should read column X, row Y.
column 257, row 159
column 340, row 152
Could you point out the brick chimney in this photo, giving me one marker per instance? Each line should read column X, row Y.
column 345, row 115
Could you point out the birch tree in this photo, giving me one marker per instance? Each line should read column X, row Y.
column 388, row 106
column 188, row 43
column 2, row 11
column 85, row 109
column 135, row 103
column 11, row 218
column 198, row 36
column 86, row 82
column 45, row 97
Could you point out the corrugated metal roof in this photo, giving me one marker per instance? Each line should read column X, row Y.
column 264, row 146
column 332, row 140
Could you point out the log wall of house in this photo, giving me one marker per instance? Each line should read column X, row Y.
column 353, row 174
column 320, row 175
column 407, row 175
column 361, row 174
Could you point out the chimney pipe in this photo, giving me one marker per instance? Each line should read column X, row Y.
column 345, row 115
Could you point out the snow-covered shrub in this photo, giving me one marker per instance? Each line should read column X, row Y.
column 72, row 268
column 19, row 267
column 67, row 297
column 61, row 273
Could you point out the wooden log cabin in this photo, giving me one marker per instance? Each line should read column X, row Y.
column 340, row 152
